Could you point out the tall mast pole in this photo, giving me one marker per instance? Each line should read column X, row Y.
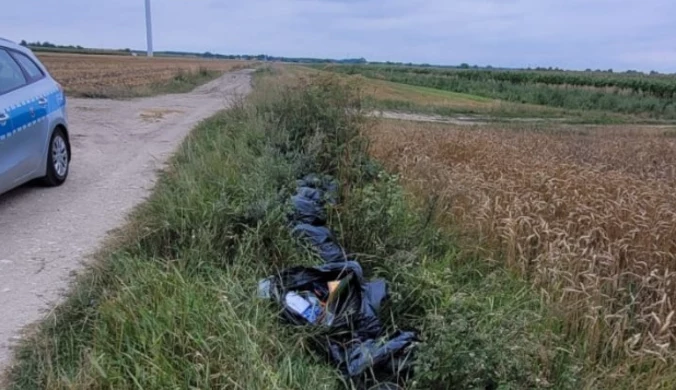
column 149, row 29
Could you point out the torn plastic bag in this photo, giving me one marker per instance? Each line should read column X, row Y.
column 355, row 311
column 351, row 328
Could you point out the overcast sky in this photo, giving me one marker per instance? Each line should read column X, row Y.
column 574, row 34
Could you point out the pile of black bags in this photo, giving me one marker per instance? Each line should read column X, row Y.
column 335, row 298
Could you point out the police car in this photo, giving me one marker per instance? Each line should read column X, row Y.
column 33, row 123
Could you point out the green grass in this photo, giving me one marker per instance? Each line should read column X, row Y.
column 171, row 303
column 186, row 81
column 537, row 89
column 182, row 82
column 658, row 85
column 392, row 96
column 443, row 94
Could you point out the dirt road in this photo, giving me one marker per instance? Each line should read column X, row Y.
column 117, row 148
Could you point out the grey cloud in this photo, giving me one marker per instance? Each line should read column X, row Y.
column 619, row 34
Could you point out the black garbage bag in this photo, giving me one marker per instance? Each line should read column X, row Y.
column 331, row 252
column 336, row 299
column 321, row 238
column 391, row 356
column 312, row 194
column 316, row 235
column 309, row 205
column 326, row 184
column 355, row 310
column 307, row 210
column 352, row 332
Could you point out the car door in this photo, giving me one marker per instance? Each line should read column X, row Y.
column 12, row 80
column 34, row 137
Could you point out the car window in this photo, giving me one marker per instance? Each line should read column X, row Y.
column 11, row 76
column 33, row 71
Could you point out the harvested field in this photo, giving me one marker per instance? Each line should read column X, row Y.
column 127, row 76
column 587, row 215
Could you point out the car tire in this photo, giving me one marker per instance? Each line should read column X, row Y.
column 58, row 159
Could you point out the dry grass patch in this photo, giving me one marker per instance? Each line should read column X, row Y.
column 588, row 215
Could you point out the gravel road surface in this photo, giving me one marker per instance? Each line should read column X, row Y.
column 118, row 146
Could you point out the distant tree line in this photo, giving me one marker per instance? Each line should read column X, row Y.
column 265, row 57
column 490, row 67
column 637, row 82
column 305, row 60
column 248, row 57
column 48, row 46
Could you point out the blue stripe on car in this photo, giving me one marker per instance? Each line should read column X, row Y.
column 21, row 117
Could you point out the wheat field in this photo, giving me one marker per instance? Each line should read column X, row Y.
column 588, row 215
column 86, row 75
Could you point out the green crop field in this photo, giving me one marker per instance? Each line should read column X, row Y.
column 646, row 96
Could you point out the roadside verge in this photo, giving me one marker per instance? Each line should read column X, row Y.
column 172, row 304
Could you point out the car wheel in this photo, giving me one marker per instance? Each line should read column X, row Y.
column 58, row 159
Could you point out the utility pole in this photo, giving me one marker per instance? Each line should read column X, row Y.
column 149, row 29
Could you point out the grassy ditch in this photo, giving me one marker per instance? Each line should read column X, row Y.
column 172, row 303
